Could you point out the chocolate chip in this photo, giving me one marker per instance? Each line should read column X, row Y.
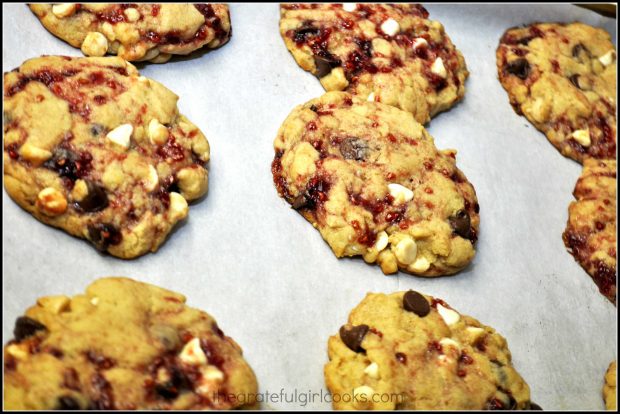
column 416, row 303
column 535, row 407
column 67, row 402
column 353, row 148
column 353, row 336
column 69, row 164
column 26, row 327
column 97, row 129
column 574, row 79
column 95, row 200
column 520, row 68
column 299, row 202
column 581, row 52
column 325, row 63
column 305, row 31
column 461, row 223
column 104, row 235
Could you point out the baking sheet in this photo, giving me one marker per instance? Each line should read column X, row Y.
column 268, row 277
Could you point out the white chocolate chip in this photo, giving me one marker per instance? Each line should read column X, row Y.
column 420, row 265
column 449, row 343
column 372, row 370
column 582, row 136
column 608, row 58
column 143, row 79
column 95, row 44
column 474, row 333
column 382, row 241
column 371, row 97
column 350, row 7
column 94, row 301
column 121, row 135
column 390, row 27
column 178, row 206
column 152, row 180
column 158, row 133
column 364, row 390
column 192, row 353
column 211, row 373
column 132, row 14
column 17, row 351
column 449, row 316
column 51, row 202
column 406, row 250
column 438, row 68
column 61, row 10
column 419, row 42
column 400, row 193
column 35, row 155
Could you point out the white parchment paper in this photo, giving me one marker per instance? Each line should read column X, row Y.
column 267, row 276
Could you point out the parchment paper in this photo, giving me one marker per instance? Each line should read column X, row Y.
column 267, row 276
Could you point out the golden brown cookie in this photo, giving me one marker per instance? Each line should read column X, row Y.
column 137, row 32
column 609, row 389
column 590, row 234
column 411, row 351
column 122, row 345
column 562, row 77
column 370, row 179
column 93, row 148
column 389, row 53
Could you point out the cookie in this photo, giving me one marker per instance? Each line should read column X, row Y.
column 609, row 389
column 386, row 53
column 370, row 179
column 93, row 148
column 411, row 351
column 590, row 234
column 562, row 77
column 123, row 345
column 137, row 32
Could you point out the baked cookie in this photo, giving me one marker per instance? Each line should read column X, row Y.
column 123, row 345
column 103, row 153
column 387, row 53
column 562, row 77
column 369, row 177
column 609, row 389
column 137, row 32
column 590, row 233
column 410, row 351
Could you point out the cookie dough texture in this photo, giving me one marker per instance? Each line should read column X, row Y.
column 137, row 32
column 417, row 353
column 387, row 53
column 370, row 179
column 609, row 389
column 122, row 345
column 562, row 77
column 590, row 234
column 95, row 149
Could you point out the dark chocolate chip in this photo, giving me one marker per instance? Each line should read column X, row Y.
column 26, row 327
column 416, row 303
column 305, row 31
column 574, row 79
column 95, row 200
column 461, row 223
column 97, row 129
column 353, row 336
column 299, row 202
column 535, row 407
column 580, row 51
column 67, row 402
column 520, row 68
column 324, row 64
column 104, row 235
column 353, row 148
column 313, row 108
